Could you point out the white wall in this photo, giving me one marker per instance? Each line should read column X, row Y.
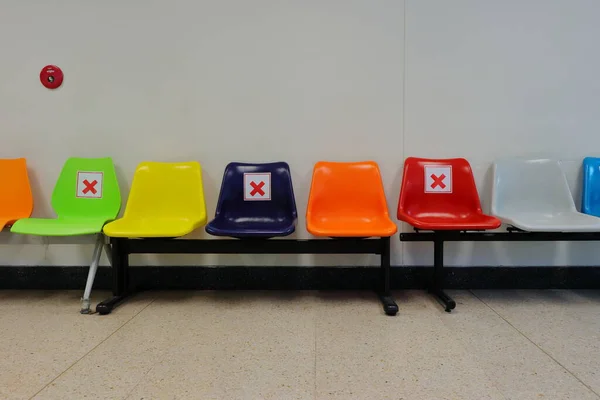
column 489, row 79
column 300, row 81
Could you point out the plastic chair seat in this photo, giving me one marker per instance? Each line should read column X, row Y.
column 16, row 201
column 566, row 221
column 534, row 195
column 59, row 226
column 79, row 211
column 251, row 227
column 336, row 208
column 351, row 226
column 468, row 222
column 149, row 227
column 590, row 196
column 165, row 200
column 454, row 205
column 240, row 214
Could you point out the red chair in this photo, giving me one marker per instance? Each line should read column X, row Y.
column 441, row 195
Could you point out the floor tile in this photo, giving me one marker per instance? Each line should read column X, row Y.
column 300, row 345
column 203, row 345
column 564, row 323
column 517, row 367
column 42, row 334
column 362, row 354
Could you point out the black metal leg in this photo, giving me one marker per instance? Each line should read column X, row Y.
column 437, row 285
column 385, row 295
column 120, row 272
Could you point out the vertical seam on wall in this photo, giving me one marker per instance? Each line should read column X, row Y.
column 46, row 241
column 403, row 113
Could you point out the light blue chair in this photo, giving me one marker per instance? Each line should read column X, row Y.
column 590, row 198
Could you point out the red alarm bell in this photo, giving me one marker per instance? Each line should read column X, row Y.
column 51, row 76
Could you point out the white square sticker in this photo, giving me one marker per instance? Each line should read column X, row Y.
column 89, row 184
column 438, row 179
column 257, row 186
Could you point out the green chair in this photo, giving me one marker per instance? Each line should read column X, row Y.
column 86, row 196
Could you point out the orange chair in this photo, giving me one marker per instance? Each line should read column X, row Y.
column 348, row 200
column 16, row 201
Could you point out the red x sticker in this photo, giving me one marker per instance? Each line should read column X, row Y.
column 89, row 184
column 438, row 179
column 257, row 186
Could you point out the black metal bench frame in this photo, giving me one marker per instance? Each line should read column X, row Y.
column 123, row 247
column 436, row 286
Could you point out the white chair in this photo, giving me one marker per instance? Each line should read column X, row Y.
column 533, row 195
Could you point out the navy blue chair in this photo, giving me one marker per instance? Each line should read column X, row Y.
column 256, row 201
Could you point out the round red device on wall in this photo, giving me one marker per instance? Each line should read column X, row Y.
column 51, row 76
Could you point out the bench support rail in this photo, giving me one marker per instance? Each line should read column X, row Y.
column 123, row 247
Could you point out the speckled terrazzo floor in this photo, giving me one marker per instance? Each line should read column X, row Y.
column 301, row 345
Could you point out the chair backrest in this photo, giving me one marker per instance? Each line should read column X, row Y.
column 522, row 186
column 440, row 186
column 347, row 187
column 15, row 192
column 257, row 190
column 162, row 189
column 87, row 187
column 590, row 198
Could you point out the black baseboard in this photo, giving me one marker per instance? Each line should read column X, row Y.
column 303, row 278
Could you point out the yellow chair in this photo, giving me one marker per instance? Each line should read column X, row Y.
column 166, row 200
